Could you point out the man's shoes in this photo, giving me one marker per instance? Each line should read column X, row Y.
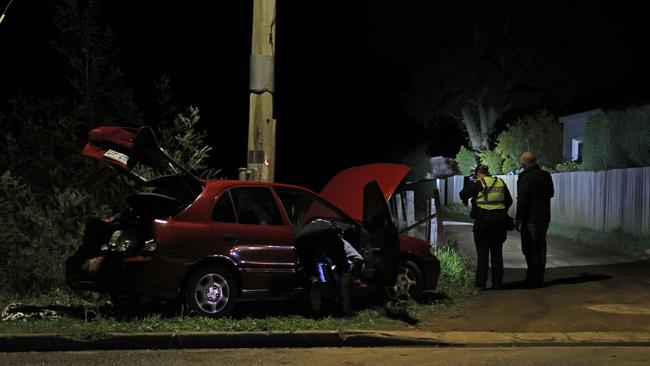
column 477, row 291
column 497, row 287
column 530, row 283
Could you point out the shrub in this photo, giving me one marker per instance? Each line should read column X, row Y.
column 617, row 139
column 45, row 205
column 540, row 133
column 466, row 160
column 37, row 233
column 493, row 160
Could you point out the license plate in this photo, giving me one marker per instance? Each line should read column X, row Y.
column 117, row 156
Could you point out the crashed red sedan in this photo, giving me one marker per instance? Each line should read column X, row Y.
column 209, row 244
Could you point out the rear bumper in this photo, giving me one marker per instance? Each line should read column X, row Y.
column 85, row 272
column 114, row 273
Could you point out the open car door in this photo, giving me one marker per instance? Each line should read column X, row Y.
column 380, row 241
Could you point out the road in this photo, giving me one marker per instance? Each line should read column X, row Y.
column 587, row 356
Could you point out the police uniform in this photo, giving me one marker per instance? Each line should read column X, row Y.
column 492, row 199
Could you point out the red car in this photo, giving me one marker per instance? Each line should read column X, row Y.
column 212, row 243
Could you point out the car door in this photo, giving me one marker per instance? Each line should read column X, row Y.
column 379, row 238
column 301, row 206
column 261, row 242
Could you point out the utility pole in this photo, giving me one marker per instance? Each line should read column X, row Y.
column 261, row 125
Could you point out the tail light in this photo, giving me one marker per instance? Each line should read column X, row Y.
column 128, row 241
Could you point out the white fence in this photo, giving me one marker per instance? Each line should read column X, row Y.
column 601, row 201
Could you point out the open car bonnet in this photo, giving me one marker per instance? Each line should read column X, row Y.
column 346, row 189
column 124, row 148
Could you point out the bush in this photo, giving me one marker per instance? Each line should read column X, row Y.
column 466, row 160
column 600, row 148
column 493, row 160
column 46, row 205
column 37, row 233
column 540, row 133
column 617, row 139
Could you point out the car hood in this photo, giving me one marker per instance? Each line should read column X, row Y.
column 345, row 190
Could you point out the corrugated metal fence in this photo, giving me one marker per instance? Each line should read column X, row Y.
column 602, row 200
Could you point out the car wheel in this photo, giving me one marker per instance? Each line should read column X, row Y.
column 211, row 291
column 409, row 282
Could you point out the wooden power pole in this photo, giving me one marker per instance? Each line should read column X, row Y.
column 261, row 125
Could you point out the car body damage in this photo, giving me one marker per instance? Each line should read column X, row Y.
column 212, row 243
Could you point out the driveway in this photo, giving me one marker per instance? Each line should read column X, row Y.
column 588, row 289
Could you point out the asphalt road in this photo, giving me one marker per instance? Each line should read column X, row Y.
column 588, row 356
column 587, row 289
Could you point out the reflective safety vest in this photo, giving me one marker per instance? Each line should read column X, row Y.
column 492, row 197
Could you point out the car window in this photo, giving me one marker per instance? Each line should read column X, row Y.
column 223, row 210
column 255, row 206
column 301, row 206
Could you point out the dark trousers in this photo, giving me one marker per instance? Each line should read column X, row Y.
column 533, row 245
column 489, row 241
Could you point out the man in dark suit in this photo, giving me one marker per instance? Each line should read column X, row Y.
column 534, row 193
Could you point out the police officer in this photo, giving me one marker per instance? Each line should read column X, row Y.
column 491, row 200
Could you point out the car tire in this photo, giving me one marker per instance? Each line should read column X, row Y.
column 211, row 291
column 409, row 282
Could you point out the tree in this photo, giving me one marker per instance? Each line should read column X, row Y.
column 481, row 73
column 500, row 74
column 91, row 56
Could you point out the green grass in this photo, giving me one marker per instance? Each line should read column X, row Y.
column 457, row 273
column 93, row 317
column 615, row 239
column 367, row 319
column 457, row 208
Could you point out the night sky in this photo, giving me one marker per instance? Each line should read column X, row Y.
column 345, row 70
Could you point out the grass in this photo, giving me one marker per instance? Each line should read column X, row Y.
column 457, row 272
column 615, row 239
column 457, row 208
column 91, row 316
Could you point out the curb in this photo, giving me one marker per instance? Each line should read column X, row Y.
column 189, row 340
column 311, row 339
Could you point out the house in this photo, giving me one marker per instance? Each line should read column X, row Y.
column 574, row 132
column 442, row 167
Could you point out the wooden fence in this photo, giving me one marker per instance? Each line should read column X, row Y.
column 603, row 200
